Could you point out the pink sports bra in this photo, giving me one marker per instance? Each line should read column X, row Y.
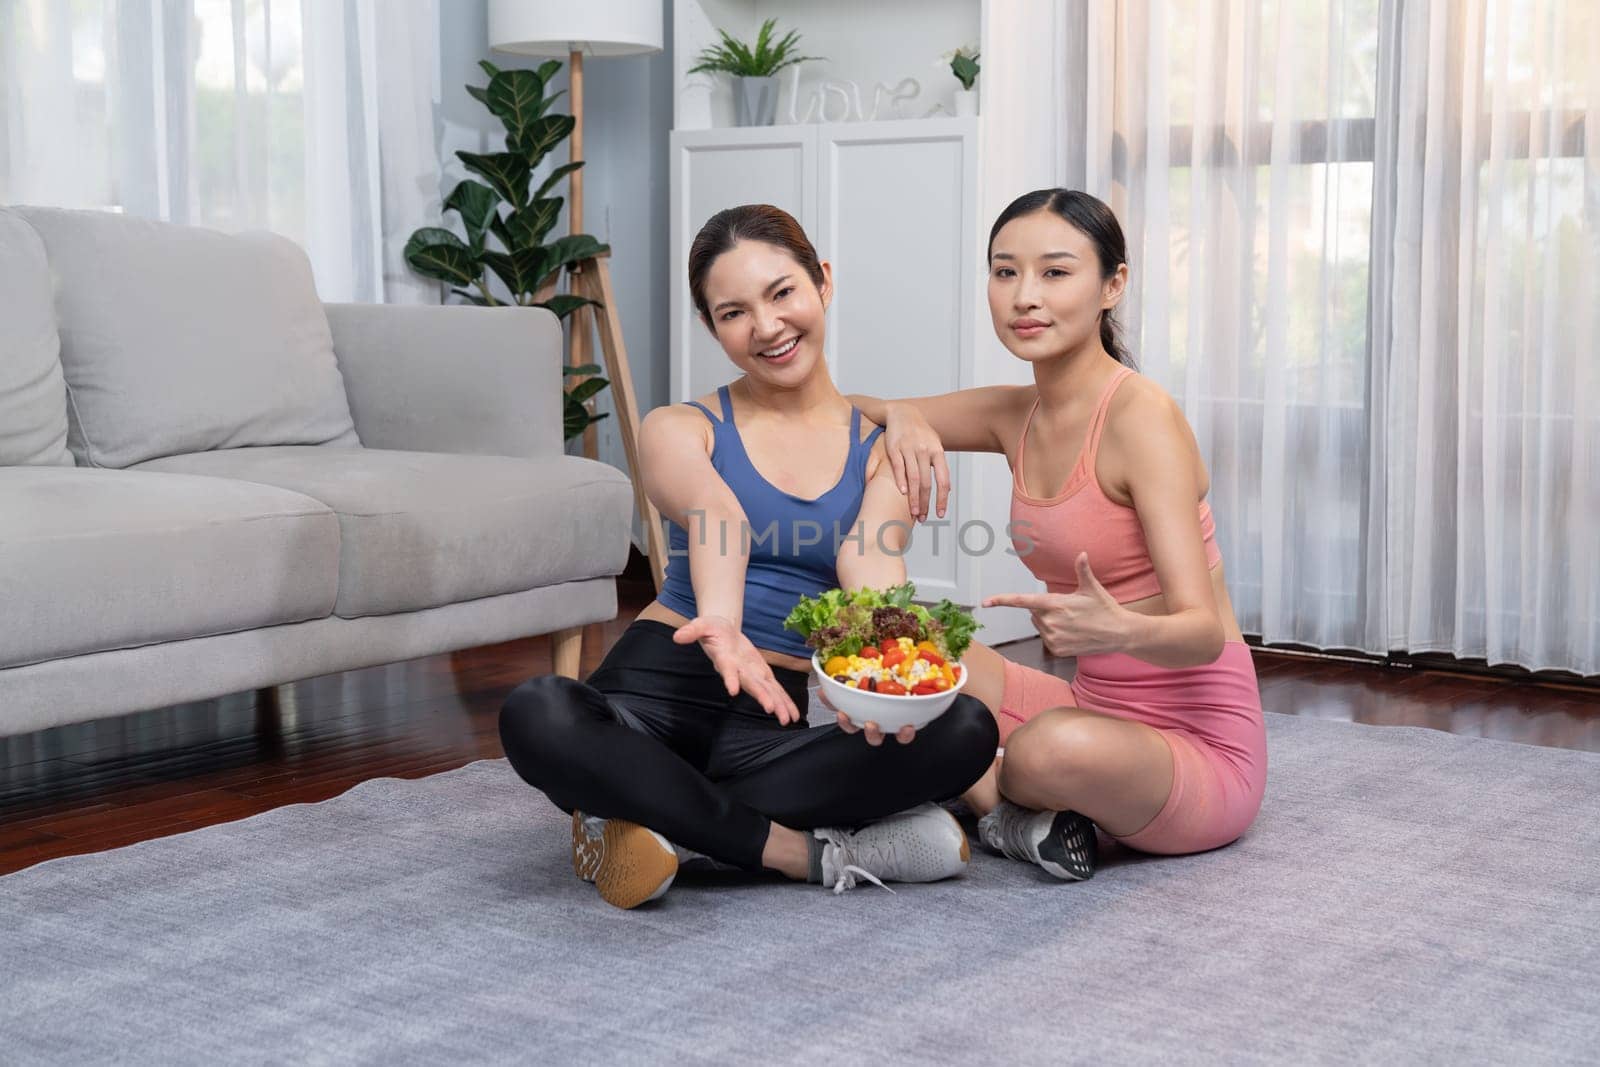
column 1049, row 533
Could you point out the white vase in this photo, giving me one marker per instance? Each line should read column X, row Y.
column 755, row 101
column 966, row 103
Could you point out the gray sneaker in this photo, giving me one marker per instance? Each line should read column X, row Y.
column 1062, row 842
column 923, row 844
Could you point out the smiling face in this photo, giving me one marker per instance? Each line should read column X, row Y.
column 1046, row 286
column 766, row 312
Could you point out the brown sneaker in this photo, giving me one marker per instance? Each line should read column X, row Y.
column 628, row 863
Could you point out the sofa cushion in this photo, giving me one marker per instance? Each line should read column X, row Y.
column 93, row 560
column 421, row 529
column 33, row 397
column 176, row 339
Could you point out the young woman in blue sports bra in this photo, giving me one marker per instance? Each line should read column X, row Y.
column 690, row 740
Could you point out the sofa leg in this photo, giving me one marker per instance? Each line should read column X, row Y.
column 269, row 711
column 269, row 721
column 568, row 649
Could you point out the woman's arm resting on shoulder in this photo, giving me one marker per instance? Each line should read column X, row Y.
column 964, row 420
column 1163, row 462
column 920, row 430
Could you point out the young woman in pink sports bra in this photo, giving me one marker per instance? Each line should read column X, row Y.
column 1159, row 739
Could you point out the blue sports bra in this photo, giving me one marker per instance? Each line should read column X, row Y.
column 794, row 542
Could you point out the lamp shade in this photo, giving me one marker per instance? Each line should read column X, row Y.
column 593, row 27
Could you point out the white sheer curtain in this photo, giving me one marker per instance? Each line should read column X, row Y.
column 1374, row 293
column 1233, row 138
column 313, row 119
column 1485, row 476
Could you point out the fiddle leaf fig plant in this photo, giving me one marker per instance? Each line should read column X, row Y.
column 505, row 218
column 576, row 414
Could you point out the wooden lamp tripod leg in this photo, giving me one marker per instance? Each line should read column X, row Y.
column 593, row 280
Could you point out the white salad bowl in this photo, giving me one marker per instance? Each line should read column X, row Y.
column 888, row 710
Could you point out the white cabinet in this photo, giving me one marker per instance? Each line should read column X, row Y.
column 892, row 206
column 894, row 217
column 716, row 169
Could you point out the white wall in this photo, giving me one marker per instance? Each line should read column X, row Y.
column 627, row 117
column 462, row 123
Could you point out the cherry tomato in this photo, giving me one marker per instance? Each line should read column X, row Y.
column 924, row 689
column 870, row 652
column 892, row 688
column 932, row 657
column 893, row 656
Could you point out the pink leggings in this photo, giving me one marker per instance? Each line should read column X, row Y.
column 1210, row 717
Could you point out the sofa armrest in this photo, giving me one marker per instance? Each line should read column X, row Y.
column 459, row 379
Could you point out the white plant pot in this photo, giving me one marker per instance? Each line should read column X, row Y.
column 966, row 103
column 755, row 101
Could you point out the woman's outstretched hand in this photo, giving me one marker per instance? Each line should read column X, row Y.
column 905, row 735
column 740, row 664
column 1073, row 624
column 914, row 449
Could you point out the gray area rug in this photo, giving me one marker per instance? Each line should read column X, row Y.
column 1406, row 896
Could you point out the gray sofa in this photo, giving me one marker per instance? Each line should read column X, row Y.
column 211, row 482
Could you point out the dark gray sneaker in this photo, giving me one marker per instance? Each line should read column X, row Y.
column 1062, row 842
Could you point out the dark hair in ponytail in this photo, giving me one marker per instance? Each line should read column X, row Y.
column 1096, row 221
column 749, row 222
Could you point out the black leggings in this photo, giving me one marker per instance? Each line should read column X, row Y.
column 654, row 738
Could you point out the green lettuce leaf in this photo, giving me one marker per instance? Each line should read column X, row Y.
column 839, row 623
column 957, row 627
column 814, row 613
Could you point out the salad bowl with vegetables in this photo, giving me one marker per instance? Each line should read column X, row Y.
column 883, row 659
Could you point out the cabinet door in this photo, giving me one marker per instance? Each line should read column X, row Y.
column 897, row 212
column 712, row 170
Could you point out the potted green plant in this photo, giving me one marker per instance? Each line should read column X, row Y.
column 507, row 216
column 754, row 70
column 964, row 65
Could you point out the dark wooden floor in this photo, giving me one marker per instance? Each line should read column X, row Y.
column 100, row 785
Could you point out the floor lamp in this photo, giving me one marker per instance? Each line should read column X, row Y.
column 572, row 30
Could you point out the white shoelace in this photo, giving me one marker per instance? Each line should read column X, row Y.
column 846, row 877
